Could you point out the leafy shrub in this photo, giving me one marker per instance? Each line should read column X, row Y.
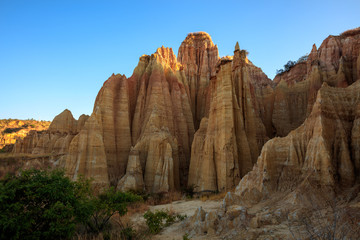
column 41, row 205
column 157, row 220
column 186, row 237
column 47, row 205
column 11, row 130
column 291, row 64
column 189, row 191
column 106, row 205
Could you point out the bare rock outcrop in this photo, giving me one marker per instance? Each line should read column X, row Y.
column 229, row 141
column 323, row 150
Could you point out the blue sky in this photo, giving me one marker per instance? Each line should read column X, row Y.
column 57, row 54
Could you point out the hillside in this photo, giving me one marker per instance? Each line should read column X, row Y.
column 12, row 130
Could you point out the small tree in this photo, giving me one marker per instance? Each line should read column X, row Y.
column 107, row 205
column 289, row 65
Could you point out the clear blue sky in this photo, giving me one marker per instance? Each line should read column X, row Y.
column 57, row 54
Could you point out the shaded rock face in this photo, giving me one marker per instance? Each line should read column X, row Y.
column 133, row 179
column 323, row 150
column 198, row 56
column 229, row 141
column 336, row 62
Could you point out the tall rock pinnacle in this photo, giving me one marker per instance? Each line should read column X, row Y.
column 199, row 56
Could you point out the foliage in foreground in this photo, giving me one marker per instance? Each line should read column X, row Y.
column 41, row 205
column 47, row 205
column 106, row 205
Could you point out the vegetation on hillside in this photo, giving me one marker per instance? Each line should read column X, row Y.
column 291, row 64
column 14, row 129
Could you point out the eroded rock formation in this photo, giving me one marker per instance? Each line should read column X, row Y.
column 229, row 141
column 55, row 140
column 198, row 56
column 323, row 150
column 149, row 111
column 336, row 62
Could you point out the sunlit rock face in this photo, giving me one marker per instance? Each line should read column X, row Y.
column 150, row 111
column 198, row 56
column 12, row 130
column 230, row 139
column 336, row 62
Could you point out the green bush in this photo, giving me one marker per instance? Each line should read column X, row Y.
column 186, row 236
column 189, row 191
column 41, row 205
column 47, row 205
column 291, row 64
column 157, row 220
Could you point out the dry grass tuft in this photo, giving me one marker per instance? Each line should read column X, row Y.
column 215, row 196
column 163, row 198
column 139, row 207
column 351, row 32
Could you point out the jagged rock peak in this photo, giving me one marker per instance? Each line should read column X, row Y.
column 166, row 56
column 64, row 122
column 237, row 47
column 351, row 32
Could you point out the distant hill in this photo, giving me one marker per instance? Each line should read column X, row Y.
column 14, row 129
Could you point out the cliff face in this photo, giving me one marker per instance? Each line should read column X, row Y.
column 323, row 150
column 336, row 62
column 198, row 56
column 229, row 141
